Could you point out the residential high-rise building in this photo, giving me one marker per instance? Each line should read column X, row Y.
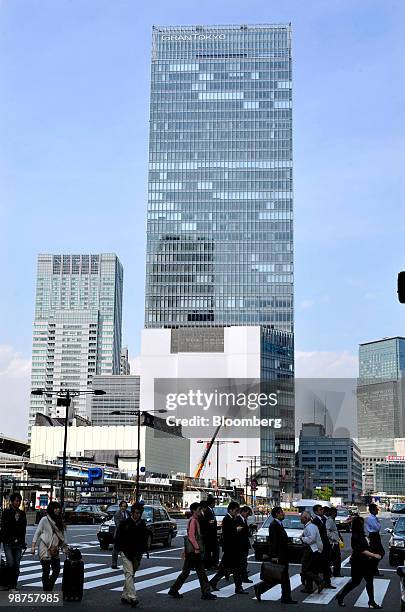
column 220, row 209
column 77, row 326
column 125, row 367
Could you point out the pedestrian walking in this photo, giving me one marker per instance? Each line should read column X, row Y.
column 231, row 558
column 121, row 515
column 278, row 552
column 131, row 541
column 320, row 521
column 12, row 534
column 210, row 535
column 193, row 557
column 373, row 528
column 363, row 563
column 335, row 539
column 50, row 536
column 244, row 541
column 311, row 558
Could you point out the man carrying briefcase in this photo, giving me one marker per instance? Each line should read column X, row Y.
column 277, row 571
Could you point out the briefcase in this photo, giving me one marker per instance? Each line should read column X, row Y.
column 271, row 572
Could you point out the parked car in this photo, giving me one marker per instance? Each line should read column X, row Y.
column 344, row 519
column 353, row 509
column 221, row 511
column 85, row 514
column 396, row 511
column 397, row 543
column 294, row 528
column 161, row 528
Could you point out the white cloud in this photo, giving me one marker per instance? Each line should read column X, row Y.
column 15, row 373
column 326, row 364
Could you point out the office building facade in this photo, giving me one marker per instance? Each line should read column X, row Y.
column 330, row 462
column 121, row 398
column 125, row 367
column 390, row 476
column 219, row 229
column 380, row 401
column 220, row 208
column 77, row 326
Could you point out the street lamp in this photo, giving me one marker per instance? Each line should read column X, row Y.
column 64, row 399
column 218, row 443
column 138, row 414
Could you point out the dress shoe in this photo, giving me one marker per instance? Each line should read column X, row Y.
column 213, row 587
column 175, row 594
column 208, row 596
column 329, row 586
column 340, row 601
column 247, row 581
column 241, row 592
column 374, row 605
column 321, row 586
column 257, row 593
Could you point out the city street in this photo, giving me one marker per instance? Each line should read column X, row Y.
column 103, row 585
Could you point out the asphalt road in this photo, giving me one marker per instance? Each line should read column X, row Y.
column 103, row 585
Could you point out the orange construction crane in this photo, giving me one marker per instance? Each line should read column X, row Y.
column 205, row 454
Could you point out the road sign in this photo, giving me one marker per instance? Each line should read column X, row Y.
column 101, row 501
column 93, row 489
column 95, row 476
column 254, row 484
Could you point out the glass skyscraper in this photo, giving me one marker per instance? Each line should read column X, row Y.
column 220, row 206
column 77, row 326
column 220, row 213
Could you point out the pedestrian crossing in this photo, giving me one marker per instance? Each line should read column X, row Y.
column 159, row 578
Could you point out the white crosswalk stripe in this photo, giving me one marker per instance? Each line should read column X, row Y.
column 380, row 589
column 187, row 586
column 327, row 594
column 229, row 590
column 274, row 593
column 38, row 573
column 99, row 575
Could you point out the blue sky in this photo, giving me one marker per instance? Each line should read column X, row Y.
column 74, row 147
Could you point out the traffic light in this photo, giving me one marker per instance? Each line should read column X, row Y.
column 401, row 287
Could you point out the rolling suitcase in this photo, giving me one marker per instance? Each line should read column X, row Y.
column 73, row 576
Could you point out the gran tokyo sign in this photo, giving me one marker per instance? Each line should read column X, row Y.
column 181, row 37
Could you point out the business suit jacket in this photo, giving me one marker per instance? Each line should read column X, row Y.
column 322, row 532
column 278, row 541
column 243, row 534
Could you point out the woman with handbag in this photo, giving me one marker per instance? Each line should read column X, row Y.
column 363, row 565
column 50, row 536
column 193, row 557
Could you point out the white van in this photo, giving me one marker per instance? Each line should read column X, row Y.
column 306, row 505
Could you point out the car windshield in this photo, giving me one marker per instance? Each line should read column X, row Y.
column 220, row 510
column 400, row 526
column 147, row 514
column 267, row 522
column 342, row 513
column 84, row 509
column 293, row 522
column 113, row 508
column 398, row 508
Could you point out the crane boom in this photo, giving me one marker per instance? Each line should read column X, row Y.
column 205, row 454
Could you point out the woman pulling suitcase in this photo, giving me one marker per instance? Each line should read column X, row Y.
column 50, row 538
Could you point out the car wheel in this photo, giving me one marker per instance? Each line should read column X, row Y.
column 168, row 540
column 258, row 556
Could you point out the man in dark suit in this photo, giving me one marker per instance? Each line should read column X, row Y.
column 210, row 536
column 320, row 521
column 278, row 552
column 231, row 559
column 121, row 515
column 244, row 540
